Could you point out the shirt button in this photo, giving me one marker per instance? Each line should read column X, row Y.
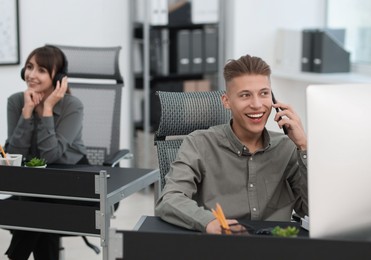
column 253, row 209
column 251, row 185
column 305, row 156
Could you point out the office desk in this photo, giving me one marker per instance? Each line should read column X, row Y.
column 156, row 239
column 74, row 200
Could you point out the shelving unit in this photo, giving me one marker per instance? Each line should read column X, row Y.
column 159, row 65
column 321, row 78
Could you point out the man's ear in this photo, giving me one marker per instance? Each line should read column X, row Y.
column 225, row 101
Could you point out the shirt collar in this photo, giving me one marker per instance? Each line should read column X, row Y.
column 240, row 148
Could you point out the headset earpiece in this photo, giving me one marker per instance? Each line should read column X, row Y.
column 63, row 72
column 58, row 77
column 22, row 73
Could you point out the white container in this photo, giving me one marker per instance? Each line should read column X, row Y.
column 11, row 160
column 43, row 166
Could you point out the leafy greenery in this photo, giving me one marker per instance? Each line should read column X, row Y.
column 36, row 162
column 285, row 232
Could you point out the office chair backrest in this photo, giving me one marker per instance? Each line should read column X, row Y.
column 181, row 114
column 93, row 62
column 101, row 99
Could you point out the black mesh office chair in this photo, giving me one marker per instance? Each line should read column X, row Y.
column 181, row 114
column 95, row 78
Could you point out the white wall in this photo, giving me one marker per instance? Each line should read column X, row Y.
column 69, row 22
column 254, row 24
column 252, row 29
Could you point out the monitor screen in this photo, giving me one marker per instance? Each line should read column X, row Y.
column 339, row 160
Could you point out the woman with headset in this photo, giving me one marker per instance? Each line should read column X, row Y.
column 44, row 121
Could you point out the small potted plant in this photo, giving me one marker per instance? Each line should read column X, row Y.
column 285, row 232
column 36, row 163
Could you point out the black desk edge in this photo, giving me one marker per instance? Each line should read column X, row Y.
column 178, row 243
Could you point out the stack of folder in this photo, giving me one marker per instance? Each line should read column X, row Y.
column 185, row 12
column 195, row 51
column 323, row 51
column 184, row 51
column 159, row 51
column 154, row 11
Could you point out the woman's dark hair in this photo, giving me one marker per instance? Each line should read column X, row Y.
column 52, row 59
column 49, row 57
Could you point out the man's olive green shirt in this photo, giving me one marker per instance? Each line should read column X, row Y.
column 213, row 166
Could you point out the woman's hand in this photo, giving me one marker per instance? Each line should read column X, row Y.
column 55, row 97
column 31, row 100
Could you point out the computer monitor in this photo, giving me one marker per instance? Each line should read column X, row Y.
column 339, row 161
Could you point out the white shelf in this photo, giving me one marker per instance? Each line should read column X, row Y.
column 321, row 78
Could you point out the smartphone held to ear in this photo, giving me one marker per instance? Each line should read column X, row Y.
column 277, row 110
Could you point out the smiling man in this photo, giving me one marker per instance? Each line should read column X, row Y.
column 252, row 172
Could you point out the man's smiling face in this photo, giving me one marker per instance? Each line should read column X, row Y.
column 250, row 101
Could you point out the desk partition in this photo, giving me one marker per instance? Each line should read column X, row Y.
column 74, row 200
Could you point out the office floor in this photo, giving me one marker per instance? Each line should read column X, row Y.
column 126, row 216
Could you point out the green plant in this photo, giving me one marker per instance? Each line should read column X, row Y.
column 285, row 232
column 36, row 162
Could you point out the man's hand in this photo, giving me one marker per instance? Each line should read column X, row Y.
column 293, row 124
column 214, row 226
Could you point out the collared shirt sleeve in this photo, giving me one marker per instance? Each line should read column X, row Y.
column 176, row 204
column 303, row 157
column 19, row 141
column 19, row 129
column 301, row 186
column 55, row 135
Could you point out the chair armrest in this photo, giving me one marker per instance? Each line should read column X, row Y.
column 113, row 159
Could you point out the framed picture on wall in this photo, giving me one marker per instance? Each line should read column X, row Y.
column 9, row 32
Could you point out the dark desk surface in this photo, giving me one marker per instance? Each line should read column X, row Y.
column 155, row 224
column 118, row 176
column 64, row 200
column 156, row 239
column 70, row 181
